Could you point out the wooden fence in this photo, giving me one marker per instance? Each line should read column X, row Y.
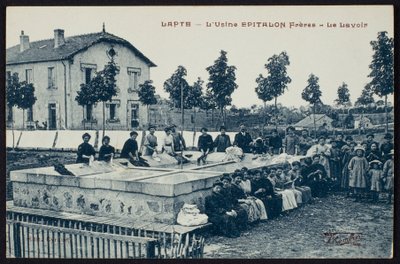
column 35, row 236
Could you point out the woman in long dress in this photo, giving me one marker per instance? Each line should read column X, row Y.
column 288, row 196
column 168, row 143
column 255, row 207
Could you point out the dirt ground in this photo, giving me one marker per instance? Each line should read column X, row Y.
column 299, row 234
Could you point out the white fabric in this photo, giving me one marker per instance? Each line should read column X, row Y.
column 190, row 215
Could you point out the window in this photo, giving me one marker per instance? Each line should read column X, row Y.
column 28, row 76
column 88, row 75
column 134, row 74
column 88, row 70
column 112, row 111
column 51, row 77
column 30, row 114
column 89, row 112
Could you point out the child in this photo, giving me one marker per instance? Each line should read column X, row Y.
column 388, row 176
column 358, row 168
column 375, row 175
column 335, row 163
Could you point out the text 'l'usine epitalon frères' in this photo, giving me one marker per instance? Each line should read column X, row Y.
column 263, row 24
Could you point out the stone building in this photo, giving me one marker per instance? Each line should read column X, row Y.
column 58, row 66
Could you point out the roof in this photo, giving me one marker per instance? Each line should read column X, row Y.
column 43, row 50
column 309, row 120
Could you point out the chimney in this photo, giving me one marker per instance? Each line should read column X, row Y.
column 24, row 42
column 58, row 38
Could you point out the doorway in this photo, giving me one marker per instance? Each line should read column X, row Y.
column 52, row 116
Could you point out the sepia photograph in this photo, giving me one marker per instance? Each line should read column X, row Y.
column 200, row 132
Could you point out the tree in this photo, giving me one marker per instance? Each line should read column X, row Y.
column 275, row 84
column 208, row 103
column 175, row 86
column 195, row 97
column 312, row 94
column 382, row 68
column 147, row 96
column 343, row 99
column 366, row 99
column 221, row 83
column 12, row 95
column 26, row 98
column 85, row 97
column 101, row 88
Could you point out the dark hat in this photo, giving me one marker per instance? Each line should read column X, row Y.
column 105, row 137
column 167, row 129
column 204, row 129
column 349, row 138
column 370, row 135
column 222, row 127
column 294, row 163
column 226, row 176
column 173, row 125
column 133, row 133
column 218, row 183
column 388, row 136
column 244, row 169
column 151, row 126
column 86, row 135
column 290, row 128
column 237, row 174
column 237, row 170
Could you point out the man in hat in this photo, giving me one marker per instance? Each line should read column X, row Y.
column 222, row 141
column 85, row 150
column 106, row 152
column 387, row 146
column 219, row 213
column 179, row 141
column 150, row 142
column 243, row 139
column 291, row 141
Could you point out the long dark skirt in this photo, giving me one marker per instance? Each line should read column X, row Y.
column 344, row 183
column 273, row 205
column 224, row 225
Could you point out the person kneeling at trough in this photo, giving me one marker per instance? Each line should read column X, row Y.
column 86, row 151
column 130, row 151
column 106, row 152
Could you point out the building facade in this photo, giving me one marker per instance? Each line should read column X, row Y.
column 57, row 67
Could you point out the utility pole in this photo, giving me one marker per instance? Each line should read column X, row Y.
column 182, row 123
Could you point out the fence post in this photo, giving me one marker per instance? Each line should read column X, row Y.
column 151, row 249
column 17, row 240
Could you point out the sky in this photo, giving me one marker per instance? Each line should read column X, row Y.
column 334, row 54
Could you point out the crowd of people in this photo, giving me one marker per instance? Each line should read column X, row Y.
column 362, row 170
